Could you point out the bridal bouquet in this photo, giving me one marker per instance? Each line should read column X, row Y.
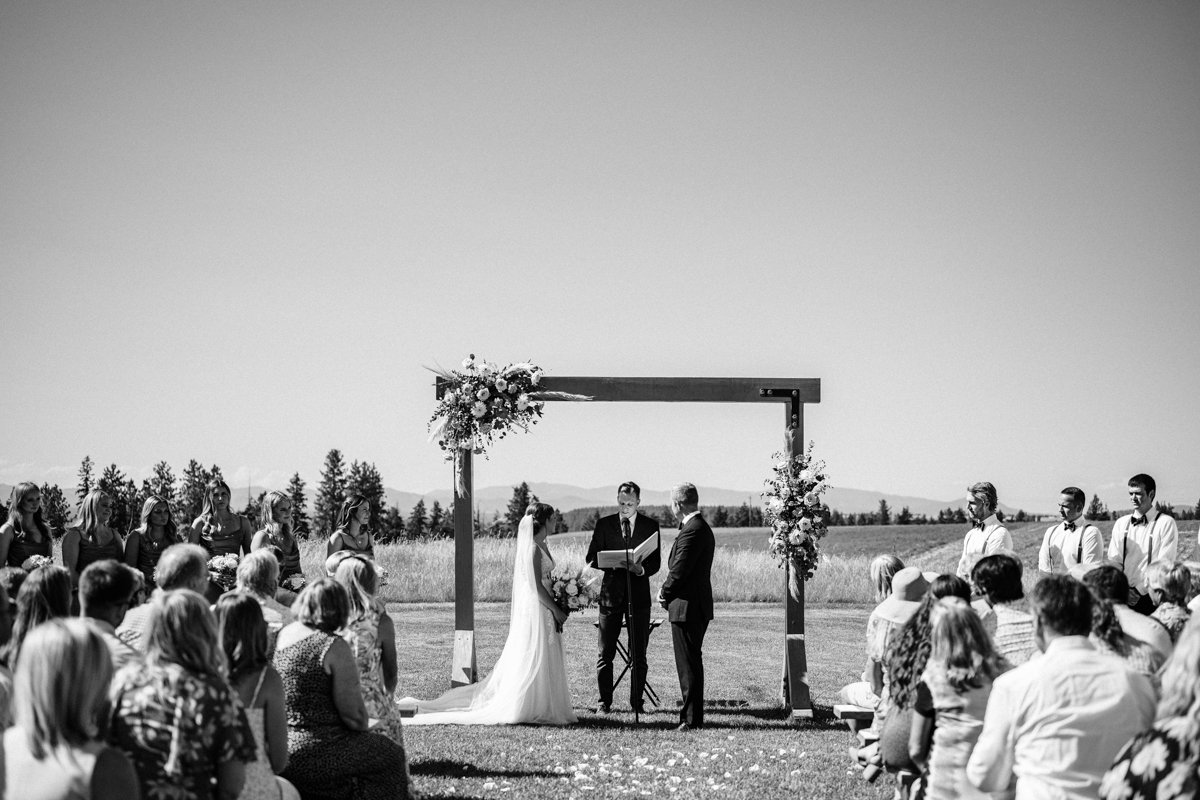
column 794, row 509
column 33, row 562
column 223, row 571
column 572, row 590
column 294, row 582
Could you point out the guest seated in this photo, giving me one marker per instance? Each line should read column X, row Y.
column 106, row 590
column 182, row 566
column 883, row 567
column 6, row 676
column 1054, row 724
column 908, row 588
column 45, row 595
column 1164, row 762
column 174, row 714
column 997, row 578
column 55, row 749
column 146, row 543
column 11, row 579
column 258, row 576
column 1170, row 584
column 351, row 532
column 243, row 636
column 958, row 681
column 1110, row 585
column 277, row 531
column 331, row 754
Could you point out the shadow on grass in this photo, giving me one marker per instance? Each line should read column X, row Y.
column 440, row 767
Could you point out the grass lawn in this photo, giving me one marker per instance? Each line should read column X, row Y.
column 748, row 751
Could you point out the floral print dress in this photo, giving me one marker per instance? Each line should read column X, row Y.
column 1161, row 764
column 363, row 637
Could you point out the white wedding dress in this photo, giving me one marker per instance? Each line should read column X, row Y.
column 529, row 682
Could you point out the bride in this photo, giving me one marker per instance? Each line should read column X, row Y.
column 529, row 682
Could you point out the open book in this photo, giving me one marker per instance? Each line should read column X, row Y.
column 611, row 559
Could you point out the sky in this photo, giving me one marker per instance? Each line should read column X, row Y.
column 239, row 232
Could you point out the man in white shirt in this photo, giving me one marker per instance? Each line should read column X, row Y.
column 1141, row 538
column 1073, row 541
column 1055, row 724
column 987, row 535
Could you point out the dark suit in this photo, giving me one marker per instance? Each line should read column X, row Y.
column 608, row 536
column 687, row 593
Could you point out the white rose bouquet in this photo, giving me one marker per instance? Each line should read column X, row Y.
column 223, row 571
column 794, row 509
column 33, row 562
column 573, row 590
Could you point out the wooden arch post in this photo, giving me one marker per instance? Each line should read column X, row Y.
column 792, row 392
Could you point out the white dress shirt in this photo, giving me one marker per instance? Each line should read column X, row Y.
column 1135, row 547
column 993, row 538
column 1063, row 549
column 1056, row 723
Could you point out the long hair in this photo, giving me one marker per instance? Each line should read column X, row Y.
column 883, row 567
column 541, row 513
column 19, row 493
column 182, row 630
column 60, row 689
column 88, row 521
column 242, row 632
column 207, row 509
column 269, row 519
column 45, row 595
column 959, row 642
column 1181, row 681
column 909, row 652
column 148, row 508
column 349, row 506
column 1102, row 583
column 358, row 575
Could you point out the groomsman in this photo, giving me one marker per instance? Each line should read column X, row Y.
column 687, row 596
column 987, row 535
column 1141, row 538
column 626, row 528
column 1072, row 541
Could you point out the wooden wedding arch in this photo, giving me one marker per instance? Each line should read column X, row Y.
column 792, row 392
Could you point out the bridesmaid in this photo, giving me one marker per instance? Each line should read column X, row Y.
column 352, row 532
column 90, row 539
column 146, row 543
column 25, row 533
column 218, row 529
column 277, row 531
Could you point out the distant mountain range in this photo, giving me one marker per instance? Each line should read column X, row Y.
column 566, row 497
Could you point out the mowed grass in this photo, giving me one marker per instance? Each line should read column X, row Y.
column 752, row 750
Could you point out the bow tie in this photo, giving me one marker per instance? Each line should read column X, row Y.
column 1068, row 526
column 1138, row 521
column 979, row 525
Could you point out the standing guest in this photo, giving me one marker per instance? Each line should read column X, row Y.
column 372, row 639
column 242, row 633
column 1055, row 723
column 277, row 531
column 624, row 530
column 687, row 596
column 1141, row 538
column 106, row 590
column 1164, row 762
column 1073, row 541
column 998, row 580
column 1170, row 585
column 219, row 530
column 182, row 566
column 258, row 576
column 55, row 749
column 862, row 693
column 958, row 679
column 986, row 535
column 146, row 543
column 90, row 539
column 44, row 596
column 331, row 752
column 351, row 532
column 174, row 714
column 25, row 534
column 11, row 579
column 1108, row 584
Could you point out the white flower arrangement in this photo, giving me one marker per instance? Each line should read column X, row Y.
column 294, row 582
column 572, row 590
column 222, row 570
column 794, row 510
column 33, row 562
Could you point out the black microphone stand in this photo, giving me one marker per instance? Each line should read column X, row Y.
column 633, row 643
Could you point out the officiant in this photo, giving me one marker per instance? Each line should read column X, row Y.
column 624, row 531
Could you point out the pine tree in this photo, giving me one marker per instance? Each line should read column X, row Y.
column 905, row 517
column 415, row 528
column 190, row 498
column 253, row 509
column 55, row 509
column 885, row 512
column 960, row 516
column 331, row 491
column 364, row 479
column 295, row 491
column 162, row 482
column 85, row 482
column 516, row 508
column 391, row 526
column 1096, row 509
column 437, row 519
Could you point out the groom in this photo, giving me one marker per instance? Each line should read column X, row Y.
column 687, row 596
column 626, row 528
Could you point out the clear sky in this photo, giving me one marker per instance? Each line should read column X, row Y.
column 237, row 231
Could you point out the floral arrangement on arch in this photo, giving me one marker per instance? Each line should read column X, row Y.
column 794, row 509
